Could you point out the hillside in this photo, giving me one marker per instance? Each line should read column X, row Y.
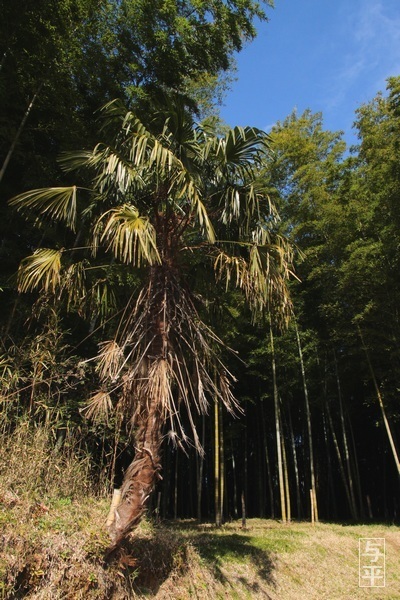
column 54, row 550
column 53, row 540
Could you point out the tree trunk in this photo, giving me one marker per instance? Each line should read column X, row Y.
column 278, row 432
column 18, row 133
column 142, row 474
column 381, row 405
column 309, row 429
column 217, row 464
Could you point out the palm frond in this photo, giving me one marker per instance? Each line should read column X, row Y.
column 205, row 221
column 131, row 238
column 72, row 161
column 243, row 146
column 98, row 407
column 57, row 203
column 262, row 276
column 73, row 283
column 40, row 270
column 109, row 360
column 101, row 299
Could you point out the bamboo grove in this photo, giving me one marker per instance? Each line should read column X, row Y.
column 236, row 290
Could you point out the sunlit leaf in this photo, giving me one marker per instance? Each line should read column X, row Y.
column 54, row 203
column 131, row 238
column 40, row 270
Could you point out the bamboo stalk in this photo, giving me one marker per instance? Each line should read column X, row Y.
column 286, row 481
column 381, row 404
column 200, row 468
column 221, row 464
column 309, row 429
column 346, row 445
column 278, row 433
column 312, row 507
column 217, row 473
column 19, row 131
column 243, row 511
column 296, row 468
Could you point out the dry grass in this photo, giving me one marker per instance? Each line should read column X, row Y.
column 52, row 544
column 31, row 464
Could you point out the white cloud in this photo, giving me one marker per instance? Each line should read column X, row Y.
column 372, row 33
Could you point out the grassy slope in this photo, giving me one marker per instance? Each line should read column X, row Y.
column 54, row 550
column 52, row 543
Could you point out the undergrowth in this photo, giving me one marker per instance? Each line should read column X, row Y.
column 53, row 539
column 53, row 508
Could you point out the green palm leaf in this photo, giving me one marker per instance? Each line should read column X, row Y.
column 40, row 270
column 204, row 221
column 131, row 238
column 57, row 203
column 243, row 146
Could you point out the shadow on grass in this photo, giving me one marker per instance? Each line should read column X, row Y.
column 230, row 557
column 224, row 552
column 147, row 561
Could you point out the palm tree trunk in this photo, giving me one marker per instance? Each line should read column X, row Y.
column 142, row 474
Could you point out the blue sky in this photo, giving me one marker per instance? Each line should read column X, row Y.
column 326, row 55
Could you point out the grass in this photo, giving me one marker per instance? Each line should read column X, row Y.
column 52, row 544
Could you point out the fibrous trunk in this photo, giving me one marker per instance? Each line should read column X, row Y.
column 142, row 474
column 145, row 393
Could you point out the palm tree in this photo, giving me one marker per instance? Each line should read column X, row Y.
column 165, row 200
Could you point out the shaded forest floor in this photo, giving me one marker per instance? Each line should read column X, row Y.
column 53, row 539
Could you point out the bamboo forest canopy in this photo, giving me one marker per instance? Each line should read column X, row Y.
column 161, row 235
column 62, row 60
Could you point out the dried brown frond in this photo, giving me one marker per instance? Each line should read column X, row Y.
column 99, row 407
column 174, row 360
column 109, row 360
